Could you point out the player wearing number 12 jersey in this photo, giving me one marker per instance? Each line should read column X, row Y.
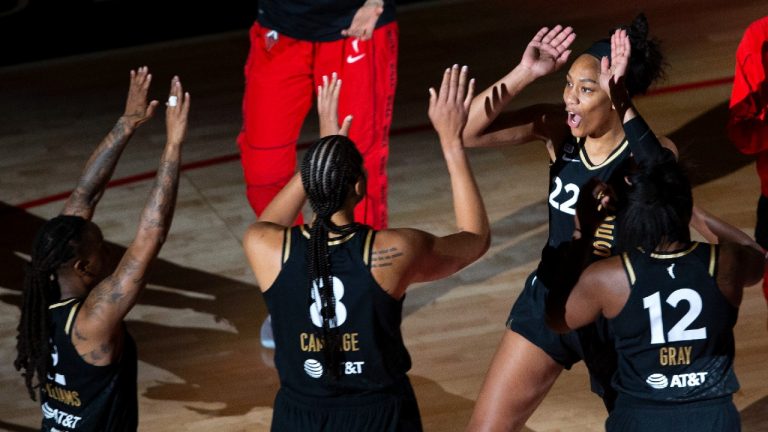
column 335, row 288
column 671, row 305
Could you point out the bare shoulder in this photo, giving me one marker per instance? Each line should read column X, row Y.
column 604, row 274
column 399, row 245
column 261, row 235
column 263, row 244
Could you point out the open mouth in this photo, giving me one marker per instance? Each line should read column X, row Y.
column 574, row 120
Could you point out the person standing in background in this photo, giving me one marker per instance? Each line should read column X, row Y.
column 293, row 44
column 747, row 122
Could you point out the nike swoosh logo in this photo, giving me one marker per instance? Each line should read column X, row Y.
column 353, row 59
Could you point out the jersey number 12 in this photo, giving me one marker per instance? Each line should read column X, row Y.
column 680, row 331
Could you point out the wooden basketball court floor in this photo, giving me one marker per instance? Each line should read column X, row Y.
column 201, row 367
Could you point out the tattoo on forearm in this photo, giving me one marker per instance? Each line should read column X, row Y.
column 159, row 209
column 100, row 166
column 385, row 257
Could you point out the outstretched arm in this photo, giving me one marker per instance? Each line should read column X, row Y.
column 547, row 52
column 646, row 147
column 442, row 256
column 100, row 166
column 716, row 230
column 96, row 332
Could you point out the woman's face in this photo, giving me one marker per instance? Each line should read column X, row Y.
column 588, row 106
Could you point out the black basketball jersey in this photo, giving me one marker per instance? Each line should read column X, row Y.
column 368, row 319
column 674, row 336
column 77, row 396
column 567, row 175
column 315, row 20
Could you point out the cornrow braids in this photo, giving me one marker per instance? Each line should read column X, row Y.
column 329, row 171
column 56, row 243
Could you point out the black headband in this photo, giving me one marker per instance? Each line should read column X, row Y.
column 600, row 49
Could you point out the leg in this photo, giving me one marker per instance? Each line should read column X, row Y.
column 278, row 95
column 761, row 233
column 520, row 376
column 368, row 70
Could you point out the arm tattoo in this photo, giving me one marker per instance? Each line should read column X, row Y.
column 159, row 209
column 385, row 257
column 99, row 168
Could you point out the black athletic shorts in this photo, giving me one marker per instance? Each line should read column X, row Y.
column 634, row 415
column 376, row 412
column 591, row 343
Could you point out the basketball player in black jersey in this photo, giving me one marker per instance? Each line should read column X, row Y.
column 71, row 332
column 594, row 133
column 671, row 303
column 335, row 289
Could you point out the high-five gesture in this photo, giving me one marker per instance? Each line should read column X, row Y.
column 449, row 108
column 100, row 166
column 613, row 72
column 328, row 107
column 137, row 110
column 548, row 50
column 177, row 112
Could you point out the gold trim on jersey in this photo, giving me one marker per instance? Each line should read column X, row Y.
column 367, row 248
column 712, row 259
column 286, row 245
column 614, row 154
column 55, row 305
column 630, row 269
column 69, row 318
column 333, row 242
column 662, row 255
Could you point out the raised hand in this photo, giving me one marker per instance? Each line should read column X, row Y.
column 364, row 21
column 137, row 110
column 449, row 108
column 177, row 112
column 548, row 50
column 613, row 73
column 328, row 107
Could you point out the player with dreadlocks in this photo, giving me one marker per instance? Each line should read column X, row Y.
column 335, row 289
column 71, row 333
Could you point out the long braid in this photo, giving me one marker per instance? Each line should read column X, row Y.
column 56, row 243
column 329, row 171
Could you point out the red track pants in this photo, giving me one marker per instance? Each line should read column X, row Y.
column 280, row 85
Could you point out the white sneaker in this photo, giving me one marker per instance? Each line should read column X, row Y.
column 267, row 339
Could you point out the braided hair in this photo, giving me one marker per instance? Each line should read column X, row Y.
column 57, row 242
column 329, row 171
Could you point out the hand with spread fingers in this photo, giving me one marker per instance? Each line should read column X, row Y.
column 613, row 72
column 137, row 110
column 328, row 107
column 449, row 107
column 548, row 50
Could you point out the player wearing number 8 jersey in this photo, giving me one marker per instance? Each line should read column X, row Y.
column 671, row 305
column 335, row 289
